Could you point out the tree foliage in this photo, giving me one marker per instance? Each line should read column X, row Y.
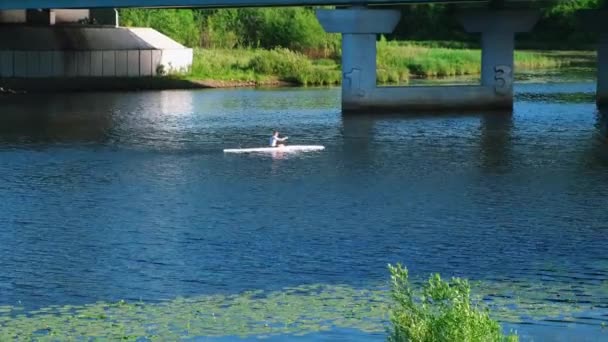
column 297, row 29
column 183, row 25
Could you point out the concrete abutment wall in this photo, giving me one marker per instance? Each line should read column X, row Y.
column 64, row 45
column 92, row 63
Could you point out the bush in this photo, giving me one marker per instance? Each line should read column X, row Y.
column 443, row 312
column 281, row 62
column 295, row 28
column 183, row 25
column 224, row 65
column 321, row 76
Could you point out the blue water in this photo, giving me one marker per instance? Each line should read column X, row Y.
column 109, row 196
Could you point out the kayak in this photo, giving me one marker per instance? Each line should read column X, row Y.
column 288, row 148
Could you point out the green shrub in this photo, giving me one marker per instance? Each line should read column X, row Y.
column 281, row 62
column 396, row 63
column 381, row 76
column 324, row 76
column 182, row 25
column 296, row 28
column 443, row 312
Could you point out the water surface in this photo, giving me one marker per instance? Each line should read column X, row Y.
column 128, row 196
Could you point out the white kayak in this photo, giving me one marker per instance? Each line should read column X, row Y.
column 288, row 148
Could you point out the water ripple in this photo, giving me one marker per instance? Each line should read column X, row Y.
column 128, row 196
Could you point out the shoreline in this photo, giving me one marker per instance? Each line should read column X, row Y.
column 398, row 63
column 219, row 84
column 15, row 86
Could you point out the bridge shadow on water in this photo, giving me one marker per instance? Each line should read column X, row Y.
column 597, row 155
column 45, row 119
column 493, row 133
column 498, row 139
column 93, row 118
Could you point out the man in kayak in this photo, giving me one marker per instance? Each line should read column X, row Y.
column 275, row 140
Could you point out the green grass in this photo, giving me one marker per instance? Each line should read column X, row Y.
column 224, row 65
column 262, row 66
column 397, row 62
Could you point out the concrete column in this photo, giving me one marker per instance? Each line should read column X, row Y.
column 497, row 50
column 358, row 62
column 498, row 28
column 359, row 27
column 104, row 16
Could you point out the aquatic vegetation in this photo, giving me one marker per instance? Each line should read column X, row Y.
column 296, row 310
column 444, row 312
column 538, row 301
column 291, row 311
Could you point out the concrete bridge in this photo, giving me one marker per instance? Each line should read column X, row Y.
column 359, row 26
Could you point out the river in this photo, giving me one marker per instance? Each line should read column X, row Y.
column 128, row 196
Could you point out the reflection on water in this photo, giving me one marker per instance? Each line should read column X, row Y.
column 602, row 125
column 27, row 120
column 113, row 196
column 598, row 152
column 495, row 145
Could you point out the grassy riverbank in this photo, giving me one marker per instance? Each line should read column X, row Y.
column 298, row 29
column 397, row 62
column 269, row 46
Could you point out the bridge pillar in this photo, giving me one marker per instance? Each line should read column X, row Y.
column 595, row 21
column 359, row 28
column 498, row 28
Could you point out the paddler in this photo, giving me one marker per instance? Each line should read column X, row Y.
column 275, row 140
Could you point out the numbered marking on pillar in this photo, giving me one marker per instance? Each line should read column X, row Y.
column 352, row 82
column 503, row 75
